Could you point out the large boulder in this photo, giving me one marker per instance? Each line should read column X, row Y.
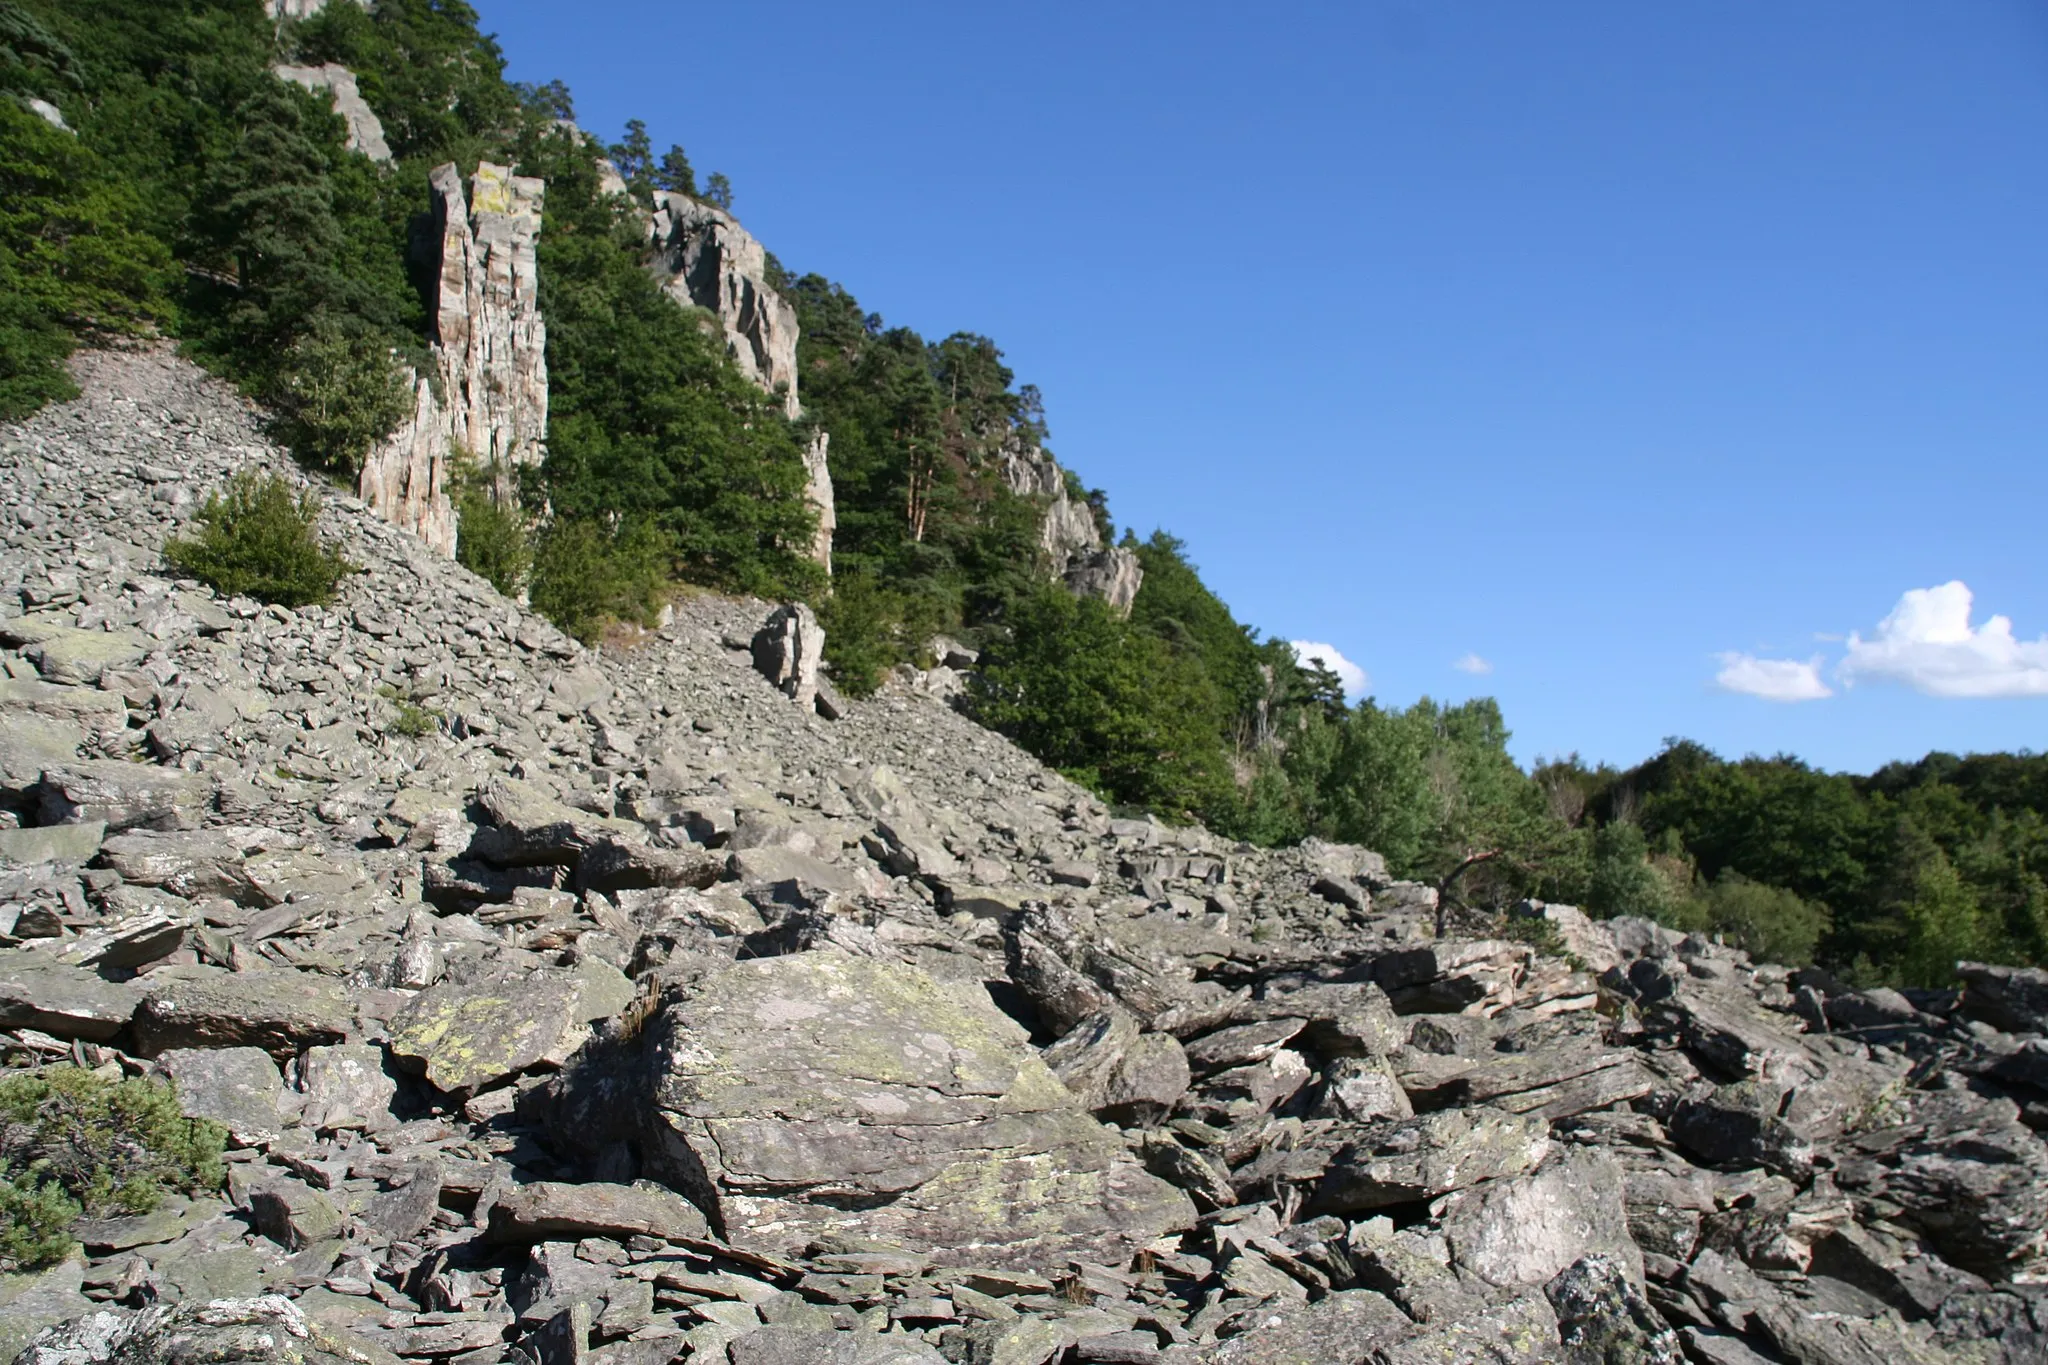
column 270, row 1330
column 788, row 650
column 821, row 1093
column 124, row 795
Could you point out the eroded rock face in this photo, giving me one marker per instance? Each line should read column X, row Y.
column 1068, row 533
column 365, row 131
column 490, row 348
column 715, row 264
column 824, row 1093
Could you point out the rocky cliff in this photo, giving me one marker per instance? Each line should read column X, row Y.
column 632, row 1013
column 1068, row 534
column 488, row 398
column 713, row 263
column 365, row 132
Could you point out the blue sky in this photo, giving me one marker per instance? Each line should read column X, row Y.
column 1623, row 347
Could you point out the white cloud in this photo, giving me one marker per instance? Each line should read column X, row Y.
column 1350, row 674
column 1472, row 663
column 1772, row 679
column 1928, row 644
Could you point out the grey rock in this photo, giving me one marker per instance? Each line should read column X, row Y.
column 1604, row 1319
column 293, row 1214
column 72, row 657
column 1347, row 1325
column 1526, row 1230
column 346, row 1086
column 802, row 1346
column 124, row 795
column 365, row 132
column 788, row 650
column 1407, row 1160
column 785, row 1085
column 711, row 262
column 278, row 1011
column 490, row 354
column 463, row 1038
column 129, row 942
column 33, row 1302
column 236, row 1087
column 29, row 743
column 2011, row 998
column 52, row 843
column 67, row 1002
column 547, row 1211
column 269, row 1330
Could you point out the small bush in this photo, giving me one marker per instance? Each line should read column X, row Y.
column 584, row 576
column 256, row 539
column 414, row 721
column 493, row 542
column 72, row 1141
column 336, row 395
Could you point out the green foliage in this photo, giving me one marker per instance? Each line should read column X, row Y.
column 1768, row 922
column 73, row 258
column 73, row 1140
column 870, row 626
column 1103, row 702
column 718, row 190
column 414, row 721
column 256, row 539
column 337, row 395
column 585, row 575
column 436, row 83
column 33, row 62
column 649, row 422
column 492, row 540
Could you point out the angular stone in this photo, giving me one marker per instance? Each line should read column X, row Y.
column 279, row 1011
column 236, row 1087
column 66, row 1002
column 788, row 650
column 466, row 1037
column 52, row 843
column 33, row 1302
column 789, row 1087
column 1347, row 1325
column 1408, row 1160
column 293, row 1214
column 132, row 941
column 804, row 1346
column 2011, row 998
column 73, row 657
column 30, row 743
column 530, row 828
column 365, row 132
column 124, row 795
column 346, row 1086
column 1602, row 1316
column 548, row 1211
column 269, row 1330
column 1527, row 1230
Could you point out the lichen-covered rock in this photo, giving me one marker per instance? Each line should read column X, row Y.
column 467, row 1037
column 803, row 1095
column 1527, row 1230
column 278, row 1011
column 67, row 1002
column 1405, row 1160
column 270, row 1330
column 124, row 795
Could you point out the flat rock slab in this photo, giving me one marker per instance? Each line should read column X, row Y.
column 547, row 1211
column 466, row 1037
column 29, row 743
column 1407, row 1160
column 278, row 1011
column 124, row 795
column 52, row 843
column 63, row 654
column 827, row 1093
column 64, row 1001
column 1527, row 1230
column 237, row 1087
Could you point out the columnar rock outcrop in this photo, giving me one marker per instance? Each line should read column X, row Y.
column 365, row 130
column 490, row 403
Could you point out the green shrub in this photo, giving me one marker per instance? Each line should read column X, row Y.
column 74, row 1141
column 335, row 396
column 585, row 576
column 256, row 539
column 492, row 541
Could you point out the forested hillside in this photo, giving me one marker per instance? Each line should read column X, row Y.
column 195, row 194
